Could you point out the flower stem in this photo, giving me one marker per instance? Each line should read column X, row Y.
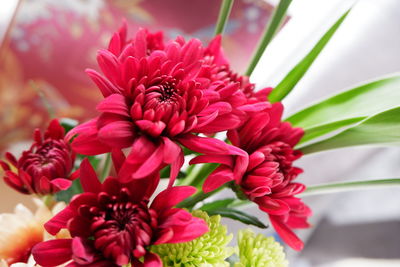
column 198, row 174
column 348, row 186
column 49, row 201
column 224, row 12
column 192, row 174
column 189, row 203
column 106, row 168
column 269, row 32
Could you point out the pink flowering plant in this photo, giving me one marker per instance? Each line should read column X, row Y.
column 167, row 102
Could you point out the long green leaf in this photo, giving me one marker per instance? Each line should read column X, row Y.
column 222, row 203
column 349, row 186
column 269, row 33
column 348, row 107
column 383, row 129
column 238, row 216
column 294, row 76
column 223, row 16
column 318, row 131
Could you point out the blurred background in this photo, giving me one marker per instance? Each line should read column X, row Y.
column 46, row 45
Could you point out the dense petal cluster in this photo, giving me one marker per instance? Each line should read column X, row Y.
column 112, row 224
column 211, row 249
column 259, row 251
column 165, row 93
column 158, row 97
column 43, row 169
column 266, row 175
column 220, row 71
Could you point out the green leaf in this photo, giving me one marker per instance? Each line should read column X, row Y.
column 318, row 131
column 348, row 107
column 66, row 195
column 217, row 204
column 223, row 16
column 106, row 167
column 68, row 124
column 165, row 173
column 269, row 33
column 383, row 129
column 238, row 216
column 294, row 76
column 348, row 186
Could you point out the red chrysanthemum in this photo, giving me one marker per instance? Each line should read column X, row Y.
column 45, row 168
column 266, row 175
column 219, row 71
column 163, row 94
column 112, row 224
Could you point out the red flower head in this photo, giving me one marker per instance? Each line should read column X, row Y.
column 45, row 168
column 219, row 70
column 112, row 224
column 156, row 92
column 266, row 175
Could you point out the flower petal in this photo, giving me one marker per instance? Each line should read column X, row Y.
column 172, row 196
column 219, row 177
column 208, row 145
column 88, row 176
column 151, row 164
column 87, row 142
column 82, row 252
column 55, row 130
column 53, row 252
column 61, row 183
column 117, row 134
column 106, row 87
column 115, row 103
column 286, row 234
column 152, row 260
column 59, row 221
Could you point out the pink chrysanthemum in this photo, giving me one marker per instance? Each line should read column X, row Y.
column 112, row 224
column 163, row 93
column 219, row 71
column 45, row 168
column 266, row 175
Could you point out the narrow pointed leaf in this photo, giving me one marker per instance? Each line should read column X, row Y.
column 269, row 33
column 318, row 131
column 380, row 129
column 294, row 76
column 349, row 186
column 348, row 107
column 222, row 203
column 223, row 16
column 238, row 216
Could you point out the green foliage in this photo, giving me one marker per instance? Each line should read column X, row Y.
column 295, row 75
column 269, row 33
column 347, row 108
column 380, row 129
column 238, row 216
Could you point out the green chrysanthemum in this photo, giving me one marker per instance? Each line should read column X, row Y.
column 259, row 251
column 208, row 250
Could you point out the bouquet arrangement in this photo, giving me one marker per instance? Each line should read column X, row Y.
column 98, row 184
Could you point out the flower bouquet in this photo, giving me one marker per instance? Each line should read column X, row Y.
column 115, row 190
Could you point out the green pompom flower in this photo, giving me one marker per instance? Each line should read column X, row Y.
column 208, row 250
column 259, row 251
